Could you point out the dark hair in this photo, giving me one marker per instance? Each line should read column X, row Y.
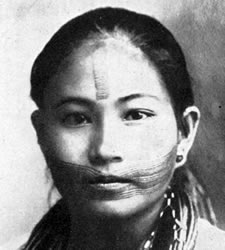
column 144, row 32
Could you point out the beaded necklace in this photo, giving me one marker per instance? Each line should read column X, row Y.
column 179, row 217
column 175, row 230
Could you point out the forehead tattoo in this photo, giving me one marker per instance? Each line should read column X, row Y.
column 100, row 75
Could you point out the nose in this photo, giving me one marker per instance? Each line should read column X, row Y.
column 105, row 147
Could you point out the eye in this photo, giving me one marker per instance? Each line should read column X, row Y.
column 76, row 119
column 135, row 115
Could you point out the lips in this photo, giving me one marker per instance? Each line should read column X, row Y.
column 107, row 185
column 108, row 179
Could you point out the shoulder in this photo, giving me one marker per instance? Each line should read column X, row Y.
column 16, row 243
column 209, row 237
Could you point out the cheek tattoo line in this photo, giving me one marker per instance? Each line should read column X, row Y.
column 141, row 180
column 130, row 170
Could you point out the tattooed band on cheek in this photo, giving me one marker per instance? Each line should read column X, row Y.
column 142, row 177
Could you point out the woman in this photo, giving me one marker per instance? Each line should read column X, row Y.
column 115, row 123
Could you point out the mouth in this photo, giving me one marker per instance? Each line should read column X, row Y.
column 108, row 179
column 109, row 182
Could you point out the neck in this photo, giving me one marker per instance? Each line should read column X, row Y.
column 101, row 232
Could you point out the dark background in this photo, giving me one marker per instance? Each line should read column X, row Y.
column 200, row 28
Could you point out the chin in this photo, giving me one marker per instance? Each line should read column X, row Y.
column 121, row 208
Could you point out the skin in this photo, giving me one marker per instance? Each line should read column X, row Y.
column 107, row 102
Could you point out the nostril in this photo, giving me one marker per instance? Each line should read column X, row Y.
column 102, row 154
column 116, row 159
column 101, row 160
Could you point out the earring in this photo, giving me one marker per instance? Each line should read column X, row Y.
column 179, row 158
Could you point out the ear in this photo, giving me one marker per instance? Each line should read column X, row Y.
column 190, row 119
column 38, row 124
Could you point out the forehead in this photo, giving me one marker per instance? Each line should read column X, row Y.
column 108, row 69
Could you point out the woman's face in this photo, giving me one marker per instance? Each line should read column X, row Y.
column 109, row 132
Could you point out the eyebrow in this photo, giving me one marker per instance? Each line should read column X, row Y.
column 76, row 100
column 136, row 96
column 89, row 103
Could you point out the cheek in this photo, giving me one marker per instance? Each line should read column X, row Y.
column 154, row 140
column 66, row 145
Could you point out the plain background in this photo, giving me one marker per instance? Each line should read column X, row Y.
column 25, row 27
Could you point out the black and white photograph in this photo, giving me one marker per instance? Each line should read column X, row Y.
column 112, row 129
